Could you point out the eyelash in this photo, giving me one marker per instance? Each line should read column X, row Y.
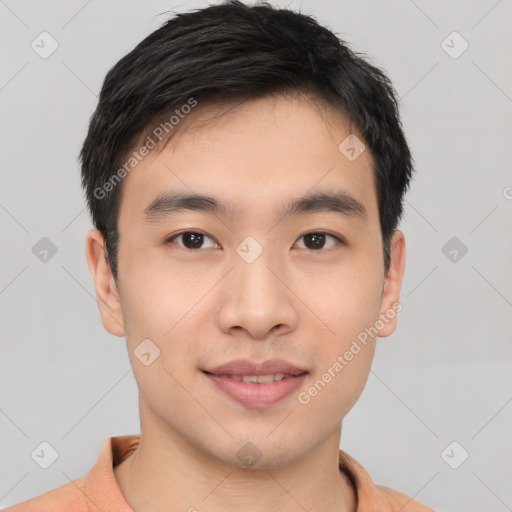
column 339, row 240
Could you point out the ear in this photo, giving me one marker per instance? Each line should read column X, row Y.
column 107, row 296
column 390, row 305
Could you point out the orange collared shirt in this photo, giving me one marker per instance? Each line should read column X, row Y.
column 98, row 490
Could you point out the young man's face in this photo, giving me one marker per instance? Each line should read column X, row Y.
column 253, row 286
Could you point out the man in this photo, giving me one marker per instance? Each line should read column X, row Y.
column 245, row 173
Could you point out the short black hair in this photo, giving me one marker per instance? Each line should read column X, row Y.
column 236, row 52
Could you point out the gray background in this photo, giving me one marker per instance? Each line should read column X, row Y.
column 444, row 376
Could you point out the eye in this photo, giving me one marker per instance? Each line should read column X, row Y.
column 192, row 240
column 316, row 240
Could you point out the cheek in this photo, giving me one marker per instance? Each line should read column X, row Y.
column 336, row 386
column 348, row 307
column 156, row 297
column 162, row 364
column 345, row 303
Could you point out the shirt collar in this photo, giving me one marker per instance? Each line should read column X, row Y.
column 102, row 489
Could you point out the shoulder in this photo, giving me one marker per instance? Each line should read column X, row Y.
column 373, row 497
column 399, row 501
column 98, row 490
column 67, row 497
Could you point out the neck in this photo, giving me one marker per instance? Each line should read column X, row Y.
column 166, row 472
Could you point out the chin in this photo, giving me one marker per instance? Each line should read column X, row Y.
column 256, row 451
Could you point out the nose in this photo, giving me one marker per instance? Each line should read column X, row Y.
column 257, row 299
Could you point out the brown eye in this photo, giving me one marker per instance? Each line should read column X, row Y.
column 192, row 240
column 317, row 240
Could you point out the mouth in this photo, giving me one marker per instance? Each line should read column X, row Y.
column 258, row 379
column 257, row 391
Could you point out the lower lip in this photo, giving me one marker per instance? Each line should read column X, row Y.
column 252, row 394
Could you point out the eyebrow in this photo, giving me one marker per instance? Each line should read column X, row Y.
column 340, row 202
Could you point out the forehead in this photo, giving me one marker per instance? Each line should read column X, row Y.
column 253, row 158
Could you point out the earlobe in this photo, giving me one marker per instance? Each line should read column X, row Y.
column 390, row 303
column 107, row 295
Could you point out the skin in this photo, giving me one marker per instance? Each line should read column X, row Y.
column 208, row 306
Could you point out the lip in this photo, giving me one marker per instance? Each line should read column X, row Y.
column 247, row 367
column 252, row 394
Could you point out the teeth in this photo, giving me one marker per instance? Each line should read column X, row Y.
column 260, row 379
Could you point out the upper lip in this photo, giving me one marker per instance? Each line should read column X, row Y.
column 247, row 367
